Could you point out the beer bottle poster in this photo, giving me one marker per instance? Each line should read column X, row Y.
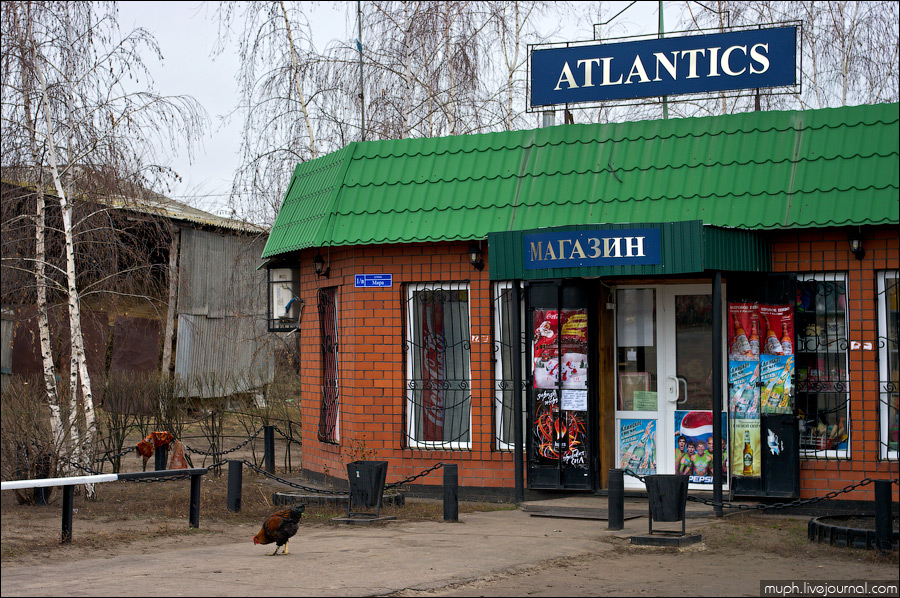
column 746, row 457
column 776, row 325
column 693, row 445
column 743, row 331
column 637, row 445
column 776, row 373
column 743, row 388
column 556, row 331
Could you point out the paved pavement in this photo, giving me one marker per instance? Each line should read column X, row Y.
column 350, row 560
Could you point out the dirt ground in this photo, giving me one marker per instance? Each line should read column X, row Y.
column 145, row 539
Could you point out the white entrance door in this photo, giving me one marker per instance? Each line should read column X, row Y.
column 664, row 361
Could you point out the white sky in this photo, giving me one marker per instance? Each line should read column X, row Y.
column 186, row 33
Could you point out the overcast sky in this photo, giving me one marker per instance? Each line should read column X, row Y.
column 186, row 32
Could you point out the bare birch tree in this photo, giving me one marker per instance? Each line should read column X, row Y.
column 75, row 126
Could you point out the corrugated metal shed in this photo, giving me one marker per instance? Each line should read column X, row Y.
column 222, row 344
column 760, row 170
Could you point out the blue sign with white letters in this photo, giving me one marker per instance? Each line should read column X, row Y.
column 374, row 280
column 662, row 67
column 578, row 248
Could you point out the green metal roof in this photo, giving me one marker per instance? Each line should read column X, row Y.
column 758, row 170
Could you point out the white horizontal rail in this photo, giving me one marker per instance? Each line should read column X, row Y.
column 72, row 481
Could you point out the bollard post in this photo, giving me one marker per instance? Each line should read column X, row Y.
column 235, row 479
column 883, row 523
column 451, row 492
column 68, row 505
column 161, row 455
column 269, row 447
column 194, row 512
column 616, row 501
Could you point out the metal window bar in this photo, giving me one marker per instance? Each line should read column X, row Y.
column 888, row 300
column 822, row 374
column 328, row 415
column 504, row 352
column 438, row 352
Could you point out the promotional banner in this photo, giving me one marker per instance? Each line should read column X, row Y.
column 777, row 322
column 743, row 388
column 743, row 331
column 745, row 448
column 693, row 445
column 556, row 330
column 776, row 374
column 637, row 445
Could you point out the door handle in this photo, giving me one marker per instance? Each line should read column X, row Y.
column 677, row 390
column 682, row 381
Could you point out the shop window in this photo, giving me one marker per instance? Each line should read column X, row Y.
column 437, row 350
column 822, row 366
column 328, row 415
column 505, row 348
column 889, row 362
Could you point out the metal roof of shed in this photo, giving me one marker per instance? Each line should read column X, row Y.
column 759, row 170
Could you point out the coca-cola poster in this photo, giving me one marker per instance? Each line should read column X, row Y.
column 743, row 331
column 558, row 331
column 777, row 326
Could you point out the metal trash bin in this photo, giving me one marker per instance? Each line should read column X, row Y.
column 667, row 498
column 366, row 479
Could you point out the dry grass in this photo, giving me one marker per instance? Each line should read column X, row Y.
column 127, row 514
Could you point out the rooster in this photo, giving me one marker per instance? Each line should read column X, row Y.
column 279, row 528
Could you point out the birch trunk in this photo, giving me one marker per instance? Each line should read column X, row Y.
column 79, row 362
column 303, row 108
column 57, row 425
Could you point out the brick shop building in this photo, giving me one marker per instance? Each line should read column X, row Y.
column 609, row 284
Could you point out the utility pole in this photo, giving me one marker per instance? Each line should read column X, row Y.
column 362, row 99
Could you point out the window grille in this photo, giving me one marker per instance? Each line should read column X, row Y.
column 438, row 370
column 823, row 375
column 505, row 351
column 328, row 415
column 889, row 363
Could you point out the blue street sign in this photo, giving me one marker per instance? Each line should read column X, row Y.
column 374, row 280
column 663, row 67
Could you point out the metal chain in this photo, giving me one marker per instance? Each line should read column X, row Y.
column 286, row 437
column 288, row 483
column 231, row 450
column 414, row 477
column 777, row 505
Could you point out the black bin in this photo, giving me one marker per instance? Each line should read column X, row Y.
column 667, row 497
column 366, row 479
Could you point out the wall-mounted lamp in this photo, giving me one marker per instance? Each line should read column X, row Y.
column 856, row 247
column 475, row 257
column 321, row 268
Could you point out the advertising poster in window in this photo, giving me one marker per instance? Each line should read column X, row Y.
column 558, row 434
column 777, row 322
column 743, row 331
column 776, row 373
column 693, row 446
column 637, row 445
column 558, row 331
column 743, row 388
column 746, row 457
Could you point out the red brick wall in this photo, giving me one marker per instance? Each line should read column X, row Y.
column 372, row 375
column 827, row 250
column 372, row 370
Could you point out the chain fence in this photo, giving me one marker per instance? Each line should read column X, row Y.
column 771, row 506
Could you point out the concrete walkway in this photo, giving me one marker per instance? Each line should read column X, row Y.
column 348, row 560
